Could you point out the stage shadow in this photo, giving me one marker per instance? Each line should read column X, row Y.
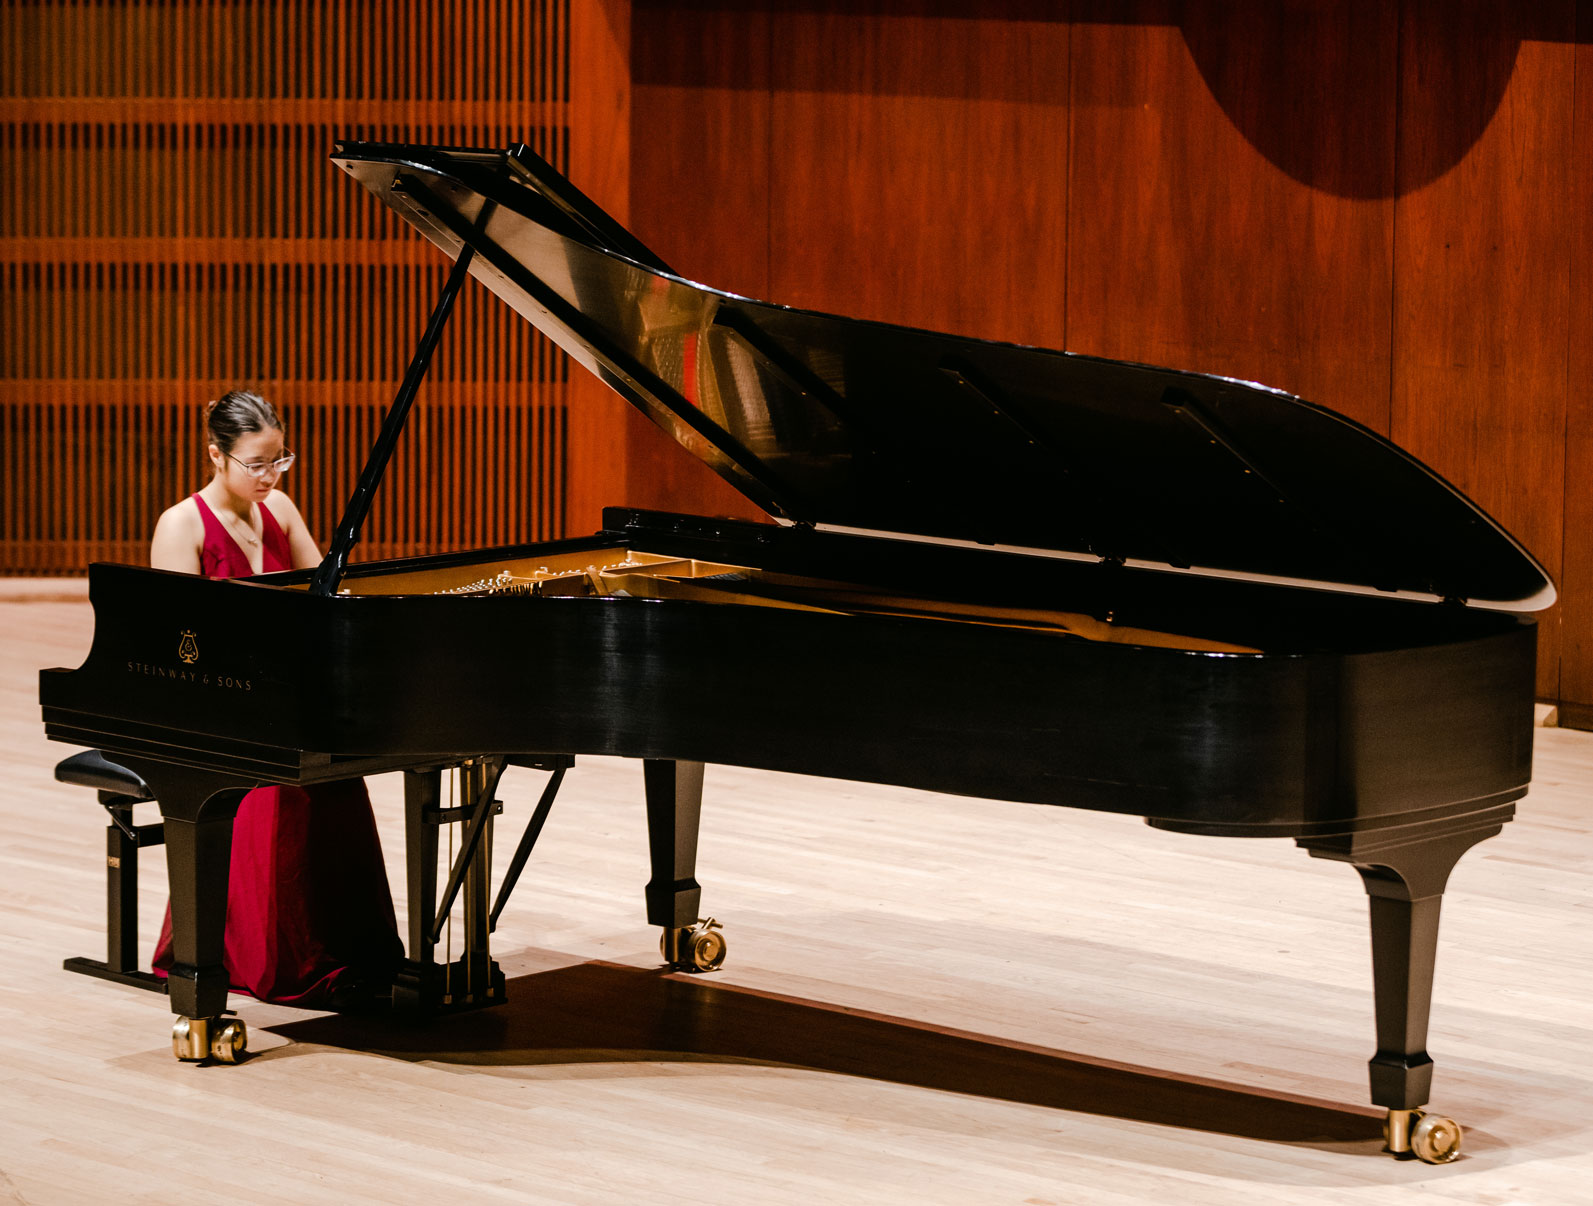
column 603, row 1012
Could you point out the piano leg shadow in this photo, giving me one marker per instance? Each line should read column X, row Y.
column 600, row 1012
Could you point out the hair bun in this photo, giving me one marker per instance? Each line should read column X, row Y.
column 236, row 413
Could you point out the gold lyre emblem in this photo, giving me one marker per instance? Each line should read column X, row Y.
column 188, row 647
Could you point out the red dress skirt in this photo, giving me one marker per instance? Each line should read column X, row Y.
column 309, row 912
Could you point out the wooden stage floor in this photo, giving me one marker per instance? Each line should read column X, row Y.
column 928, row 999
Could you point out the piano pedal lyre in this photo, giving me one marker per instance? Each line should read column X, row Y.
column 694, row 948
column 423, row 985
column 1431, row 1138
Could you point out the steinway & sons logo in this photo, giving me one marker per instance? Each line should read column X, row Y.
column 188, row 655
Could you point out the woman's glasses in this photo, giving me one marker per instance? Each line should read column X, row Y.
column 279, row 466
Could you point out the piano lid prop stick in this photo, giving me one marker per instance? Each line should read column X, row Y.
column 622, row 370
column 330, row 572
column 533, row 830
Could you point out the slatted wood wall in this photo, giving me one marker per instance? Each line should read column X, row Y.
column 170, row 228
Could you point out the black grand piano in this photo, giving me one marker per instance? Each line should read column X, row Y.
column 991, row 570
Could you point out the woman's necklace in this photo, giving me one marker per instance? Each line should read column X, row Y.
column 242, row 528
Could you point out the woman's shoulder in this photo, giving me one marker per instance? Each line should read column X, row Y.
column 182, row 517
column 179, row 538
column 282, row 508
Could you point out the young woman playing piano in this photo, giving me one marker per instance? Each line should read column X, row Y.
column 309, row 915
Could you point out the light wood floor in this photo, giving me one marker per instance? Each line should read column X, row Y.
column 928, row 999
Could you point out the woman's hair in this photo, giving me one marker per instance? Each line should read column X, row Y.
column 236, row 413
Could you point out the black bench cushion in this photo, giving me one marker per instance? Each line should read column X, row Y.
column 92, row 769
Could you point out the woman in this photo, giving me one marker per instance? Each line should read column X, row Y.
column 309, row 916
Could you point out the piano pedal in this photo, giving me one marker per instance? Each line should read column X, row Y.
column 1431, row 1138
column 427, row 989
column 694, row 948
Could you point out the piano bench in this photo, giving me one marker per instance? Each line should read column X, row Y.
column 119, row 790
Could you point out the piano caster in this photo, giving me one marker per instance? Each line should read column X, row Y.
column 195, row 1039
column 697, row 948
column 1431, row 1138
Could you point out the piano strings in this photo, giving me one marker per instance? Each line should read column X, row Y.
column 684, row 578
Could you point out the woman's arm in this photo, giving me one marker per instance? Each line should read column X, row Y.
column 300, row 543
column 179, row 535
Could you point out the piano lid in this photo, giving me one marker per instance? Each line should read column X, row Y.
column 865, row 427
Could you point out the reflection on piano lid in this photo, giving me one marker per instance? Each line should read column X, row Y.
column 880, row 430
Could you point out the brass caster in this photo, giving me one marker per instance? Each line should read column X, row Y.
column 190, row 1039
column 229, row 1042
column 1396, row 1131
column 697, row 948
column 1431, row 1138
column 1435, row 1139
column 196, row 1039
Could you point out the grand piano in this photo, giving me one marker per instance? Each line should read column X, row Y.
column 989, row 570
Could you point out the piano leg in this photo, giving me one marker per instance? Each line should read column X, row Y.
column 1404, row 870
column 674, row 898
column 197, row 808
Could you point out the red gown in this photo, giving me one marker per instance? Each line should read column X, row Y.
column 309, row 915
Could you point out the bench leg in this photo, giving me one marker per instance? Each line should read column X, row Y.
column 122, row 843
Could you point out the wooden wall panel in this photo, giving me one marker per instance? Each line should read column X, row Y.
column 1188, row 246
column 921, row 173
column 899, row 162
column 1482, row 270
column 600, row 423
column 170, row 228
column 1576, row 575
